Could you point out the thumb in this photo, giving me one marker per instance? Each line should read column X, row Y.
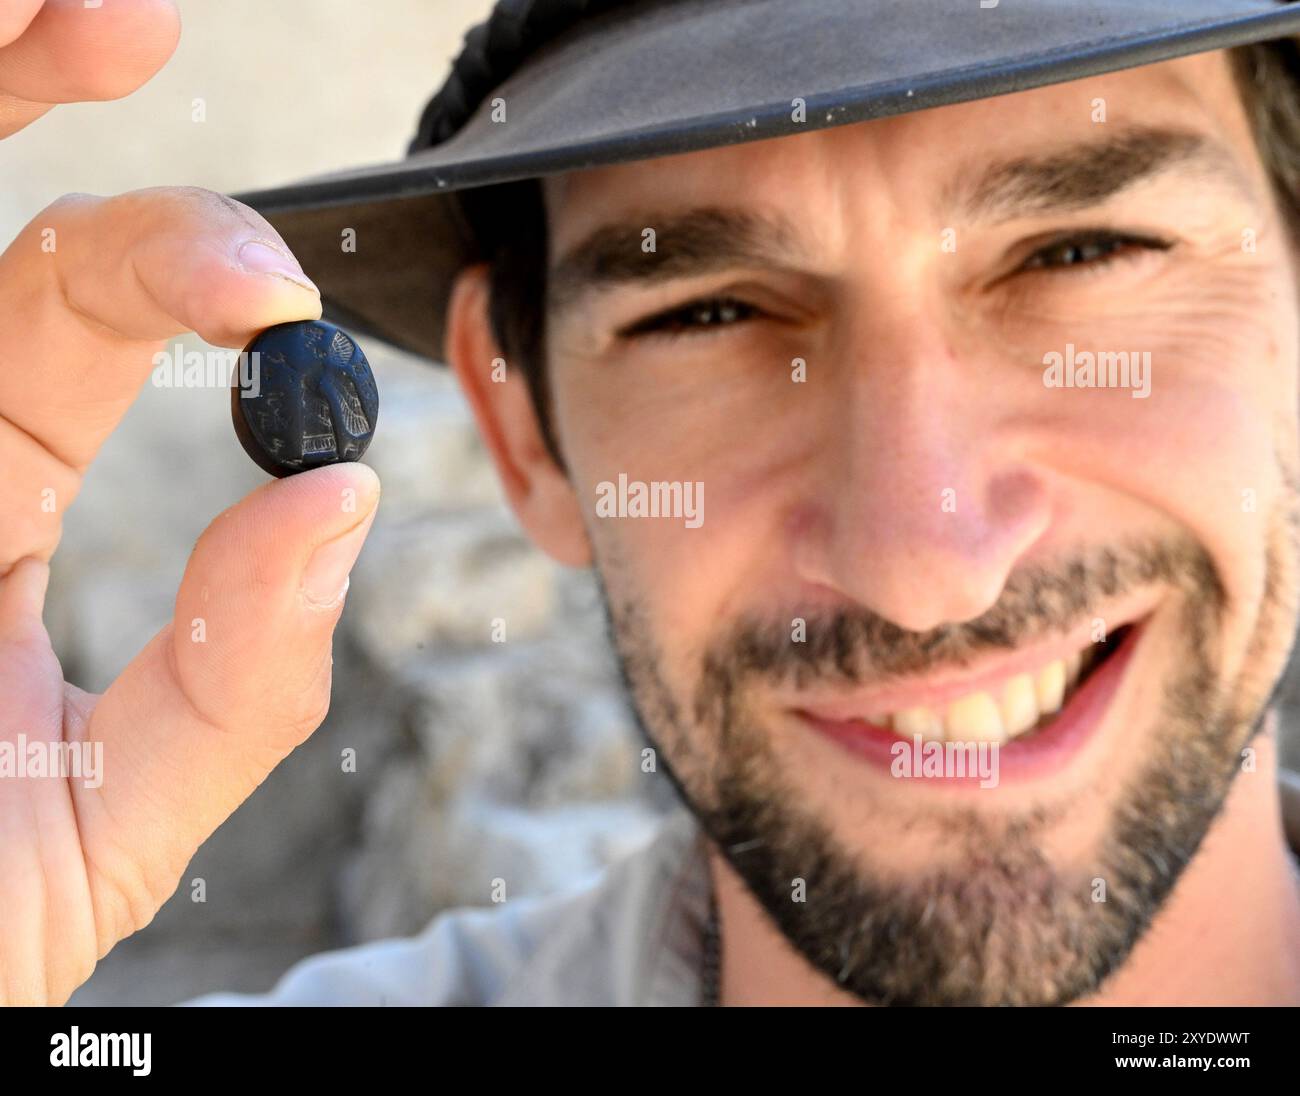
column 238, row 679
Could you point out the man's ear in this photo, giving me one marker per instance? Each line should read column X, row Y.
column 539, row 492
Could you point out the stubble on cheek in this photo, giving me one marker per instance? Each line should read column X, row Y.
column 1264, row 659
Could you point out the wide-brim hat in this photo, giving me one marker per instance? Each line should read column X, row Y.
column 548, row 86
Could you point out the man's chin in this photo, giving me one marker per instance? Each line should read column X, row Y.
column 939, row 899
column 1000, row 915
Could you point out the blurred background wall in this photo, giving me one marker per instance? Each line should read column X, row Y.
column 475, row 760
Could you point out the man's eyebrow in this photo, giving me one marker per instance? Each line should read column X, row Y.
column 1087, row 174
column 687, row 243
column 706, row 239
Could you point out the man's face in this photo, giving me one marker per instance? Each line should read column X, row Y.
column 911, row 525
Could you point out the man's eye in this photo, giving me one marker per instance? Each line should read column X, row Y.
column 1079, row 252
column 700, row 317
column 1090, row 250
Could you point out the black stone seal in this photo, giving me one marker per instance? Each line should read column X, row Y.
column 304, row 396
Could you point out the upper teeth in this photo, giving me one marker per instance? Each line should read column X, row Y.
column 993, row 716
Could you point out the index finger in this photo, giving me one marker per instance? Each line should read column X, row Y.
column 93, row 285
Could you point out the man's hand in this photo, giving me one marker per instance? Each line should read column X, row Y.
column 64, row 51
column 242, row 674
column 90, row 290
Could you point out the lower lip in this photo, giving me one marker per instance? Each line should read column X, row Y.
column 1029, row 758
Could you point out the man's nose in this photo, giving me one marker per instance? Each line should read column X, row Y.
column 931, row 496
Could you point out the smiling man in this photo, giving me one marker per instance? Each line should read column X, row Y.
column 978, row 327
column 995, row 405
column 916, row 536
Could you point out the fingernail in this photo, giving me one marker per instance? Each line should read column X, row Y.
column 325, row 580
column 267, row 257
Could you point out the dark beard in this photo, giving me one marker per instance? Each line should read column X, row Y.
column 1007, row 926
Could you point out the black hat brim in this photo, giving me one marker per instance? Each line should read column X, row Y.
column 661, row 79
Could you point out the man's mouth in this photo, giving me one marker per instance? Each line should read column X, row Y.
column 1036, row 713
column 1023, row 705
